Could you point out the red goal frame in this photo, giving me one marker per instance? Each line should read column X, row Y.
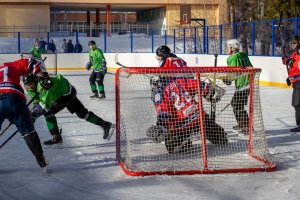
column 268, row 164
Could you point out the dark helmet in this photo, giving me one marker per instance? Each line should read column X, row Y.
column 297, row 38
column 163, row 51
column 92, row 42
column 29, row 78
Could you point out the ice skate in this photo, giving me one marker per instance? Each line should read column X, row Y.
column 295, row 131
column 109, row 129
column 102, row 96
column 94, row 97
column 55, row 140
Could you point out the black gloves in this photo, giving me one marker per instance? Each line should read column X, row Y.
column 88, row 66
column 227, row 82
column 45, row 82
column 288, row 82
column 104, row 68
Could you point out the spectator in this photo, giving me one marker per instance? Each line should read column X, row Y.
column 51, row 47
column 70, row 46
column 64, row 46
column 43, row 44
column 78, row 48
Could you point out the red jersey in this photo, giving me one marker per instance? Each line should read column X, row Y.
column 173, row 62
column 294, row 68
column 175, row 103
column 10, row 76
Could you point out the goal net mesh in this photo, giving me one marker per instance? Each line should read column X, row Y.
column 184, row 121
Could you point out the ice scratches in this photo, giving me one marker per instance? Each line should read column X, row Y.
column 284, row 158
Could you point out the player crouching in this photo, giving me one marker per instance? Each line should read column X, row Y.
column 178, row 116
column 61, row 95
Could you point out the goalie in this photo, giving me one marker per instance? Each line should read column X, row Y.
column 178, row 116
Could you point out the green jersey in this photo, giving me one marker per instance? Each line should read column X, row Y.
column 46, row 98
column 37, row 52
column 96, row 58
column 240, row 59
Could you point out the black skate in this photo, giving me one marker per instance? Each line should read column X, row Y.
column 109, row 129
column 295, row 131
column 102, row 96
column 94, row 97
column 55, row 140
column 41, row 161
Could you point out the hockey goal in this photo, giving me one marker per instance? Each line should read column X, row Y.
column 181, row 121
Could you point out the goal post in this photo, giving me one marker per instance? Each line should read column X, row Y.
column 165, row 123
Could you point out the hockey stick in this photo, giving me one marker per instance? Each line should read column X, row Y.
column 213, row 106
column 224, row 109
column 9, row 125
column 280, row 33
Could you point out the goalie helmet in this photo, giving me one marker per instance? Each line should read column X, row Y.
column 163, row 51
column 155, row 82
column 234, row 43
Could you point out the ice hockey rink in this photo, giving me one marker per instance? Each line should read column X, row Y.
column 84, row 166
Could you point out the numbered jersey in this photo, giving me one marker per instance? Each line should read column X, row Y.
column 10, row 76
column 173, row 62
column 294, row 68
column 175, row 104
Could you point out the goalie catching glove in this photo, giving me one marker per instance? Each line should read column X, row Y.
column 213, row 93
column 157, row 133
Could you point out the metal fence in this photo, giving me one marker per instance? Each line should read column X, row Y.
column 265, row 38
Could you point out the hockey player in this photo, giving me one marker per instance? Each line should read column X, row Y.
column 98, row 64
column 167, row 59
column 240, row 97
column 13, row 102
column 62, row 95
column 293, row 64
column 178, row 114
column 36, row 51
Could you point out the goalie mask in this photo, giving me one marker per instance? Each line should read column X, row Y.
column 155, row 82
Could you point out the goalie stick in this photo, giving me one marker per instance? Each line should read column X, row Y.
column 9, row 125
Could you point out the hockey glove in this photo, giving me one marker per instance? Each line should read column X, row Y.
column 227, row 82
column 88, row 66
column 288, row 82
column 104, row 68
column 45, row 82
column 157, row 133
column 36, row 111
column 289, row 63
column 284, row 59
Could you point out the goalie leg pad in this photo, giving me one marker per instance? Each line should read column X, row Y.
column 157, row 133
column 179, row 142
column 215, row 133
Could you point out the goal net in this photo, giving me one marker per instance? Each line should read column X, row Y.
column 190, row 120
